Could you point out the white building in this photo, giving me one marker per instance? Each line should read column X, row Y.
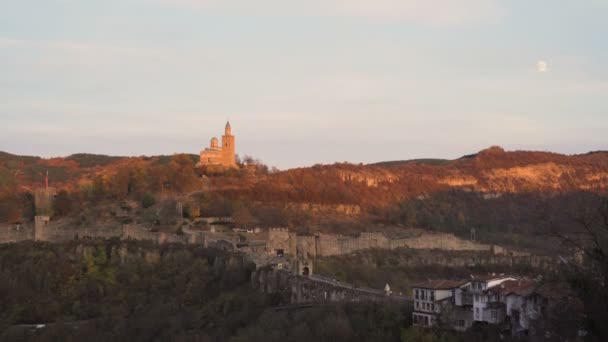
column 486, row 304
column 429, row 299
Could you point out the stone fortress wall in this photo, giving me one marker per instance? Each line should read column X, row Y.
column 45, row 230
column 308, row 246
column 16, row 232
column 320, row 244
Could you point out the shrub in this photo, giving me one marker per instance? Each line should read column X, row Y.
column 148, row 200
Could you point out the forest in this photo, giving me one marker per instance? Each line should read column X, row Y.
column 135, row 291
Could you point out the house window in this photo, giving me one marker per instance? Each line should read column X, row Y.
column 417, row 294
column 432, row 295
column 433, row 307
column 493, row 315
column 476, row 312
column 416, row 303
column 422, row 295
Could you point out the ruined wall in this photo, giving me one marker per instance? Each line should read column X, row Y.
column 439, row 241
column 452, row 259
column 322, row 244
column 15, row 233
column 47, row 230
column 141, row 233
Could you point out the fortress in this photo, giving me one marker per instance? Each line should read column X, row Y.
column 282, row 241
column 220, row 155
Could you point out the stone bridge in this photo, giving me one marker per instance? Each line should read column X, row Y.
column 297, row 289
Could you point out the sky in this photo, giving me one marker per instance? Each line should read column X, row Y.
column 303, row 82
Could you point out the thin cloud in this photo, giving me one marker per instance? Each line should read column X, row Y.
column 432, row 12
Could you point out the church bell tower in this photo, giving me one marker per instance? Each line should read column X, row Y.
column 228, row 147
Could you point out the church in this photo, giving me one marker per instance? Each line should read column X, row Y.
column 220, row 155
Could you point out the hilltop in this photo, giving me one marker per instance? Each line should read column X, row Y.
column 490, row 171
column 505, row 195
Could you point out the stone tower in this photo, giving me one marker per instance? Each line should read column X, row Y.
column 228, row 147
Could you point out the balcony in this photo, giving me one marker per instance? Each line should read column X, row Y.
column 463, row 299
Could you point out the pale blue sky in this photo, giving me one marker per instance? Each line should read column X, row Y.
column 303, row 82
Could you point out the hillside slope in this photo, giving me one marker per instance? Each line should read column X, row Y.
column 491, row 172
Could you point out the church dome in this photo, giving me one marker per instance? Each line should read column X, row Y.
column 214, row 142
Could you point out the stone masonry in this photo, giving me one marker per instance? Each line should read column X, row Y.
column 320, row 244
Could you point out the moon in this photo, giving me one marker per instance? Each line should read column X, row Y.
column 542, row 66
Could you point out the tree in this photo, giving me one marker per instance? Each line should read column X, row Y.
column 10, row 210
column 588, row 238
column 148, row 200
column 242, row 216
column 62, row 205
column 181, row 173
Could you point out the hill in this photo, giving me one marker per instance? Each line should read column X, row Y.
column 491, row 171
column 299, row 196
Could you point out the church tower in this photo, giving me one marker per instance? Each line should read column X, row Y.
column 228, row 147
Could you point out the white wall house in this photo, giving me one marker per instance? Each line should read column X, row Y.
column 486, row 304
column 430, row 297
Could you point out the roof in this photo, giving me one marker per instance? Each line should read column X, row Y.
column 439, row 284
column 523, row 287
column 488, row 277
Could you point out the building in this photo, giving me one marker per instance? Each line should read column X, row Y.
column 431, row 300
column 519, row 306
column 223, row 155
column 488, row 299
column 486, row 303
column 522, row 303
